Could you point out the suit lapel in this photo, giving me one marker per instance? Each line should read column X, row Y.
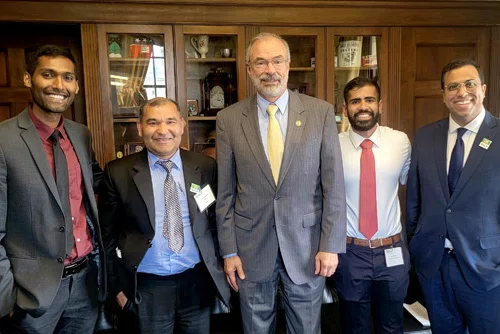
column 192, row 175
column 35, row 146
column 296, row 116
column 251, row 130
column 487, row 130
column 440, row 146
column 142, row 180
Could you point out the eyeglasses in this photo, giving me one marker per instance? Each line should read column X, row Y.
column 469, row 85
column 263, row 63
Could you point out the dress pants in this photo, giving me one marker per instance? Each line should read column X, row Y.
column 454, row 307
column 179, row 303
column 302, row 303
column 366, row 287
column 74, row 309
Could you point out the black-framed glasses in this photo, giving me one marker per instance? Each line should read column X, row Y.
column 469, row 85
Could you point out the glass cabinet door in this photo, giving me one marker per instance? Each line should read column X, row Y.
column 138, row 68
column 211, row 74
column 352, row 53
column 307, row 64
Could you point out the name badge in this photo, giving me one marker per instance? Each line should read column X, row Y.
column 195, row 188
column 393, row 257
column 485, row 143
column 204, row 198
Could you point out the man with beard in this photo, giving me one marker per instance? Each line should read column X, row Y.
column 50, row 242
column 453, row 201
column 281, row 201
column 373, row 274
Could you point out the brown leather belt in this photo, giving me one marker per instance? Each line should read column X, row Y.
column 76, row 266
column 375, row 243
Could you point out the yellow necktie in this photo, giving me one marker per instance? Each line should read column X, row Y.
column 275, row 146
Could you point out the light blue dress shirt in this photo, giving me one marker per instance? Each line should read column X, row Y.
column 159, row 259
column 281, row 117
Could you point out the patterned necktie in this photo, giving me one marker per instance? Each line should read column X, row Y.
column 275, row 146
column 62, row 183
column 456, row 161
column 173, row 229
column 368, row 221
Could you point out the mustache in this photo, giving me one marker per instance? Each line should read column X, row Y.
column 270, row 77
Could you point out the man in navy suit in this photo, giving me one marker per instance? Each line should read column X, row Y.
column 453, row 208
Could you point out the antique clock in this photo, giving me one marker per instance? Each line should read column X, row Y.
column 217, row 91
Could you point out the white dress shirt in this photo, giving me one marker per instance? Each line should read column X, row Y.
column 468, row 138
column 392, row 152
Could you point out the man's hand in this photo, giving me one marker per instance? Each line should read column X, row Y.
column 325, row 264
column 121, row 299
column 231, row 265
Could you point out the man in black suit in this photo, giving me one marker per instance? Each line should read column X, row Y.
column 163, row 257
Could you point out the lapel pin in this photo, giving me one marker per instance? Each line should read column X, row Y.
column 195, row 188
column 298, row 123
column 485, row 143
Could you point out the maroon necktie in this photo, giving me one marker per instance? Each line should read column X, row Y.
column 368, row 224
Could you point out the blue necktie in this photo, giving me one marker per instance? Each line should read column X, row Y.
column 456, row 161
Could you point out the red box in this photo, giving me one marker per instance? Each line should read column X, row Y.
column 140, row 51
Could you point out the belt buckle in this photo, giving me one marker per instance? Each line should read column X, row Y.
column 375, row 246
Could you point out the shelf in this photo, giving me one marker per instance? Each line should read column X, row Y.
column 356, row 68
column 210, row 60
column 302, row 69
column 128, row 60
column 202, row 118
column 126, row 120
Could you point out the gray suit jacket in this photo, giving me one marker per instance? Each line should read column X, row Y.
column 32, row 245
column 126, row 208
column 305, row 213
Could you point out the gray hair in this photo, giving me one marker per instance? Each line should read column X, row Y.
column 264, row 35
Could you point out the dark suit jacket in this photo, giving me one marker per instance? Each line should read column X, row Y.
column 470, row 217
column 126, row 208
column 301, row 215
column 32, row 245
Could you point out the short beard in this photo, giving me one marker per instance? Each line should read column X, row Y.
column 271, row 91
column 364, row 125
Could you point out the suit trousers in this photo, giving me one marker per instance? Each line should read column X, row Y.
column 179, row 303
column 367, row 286
column 74, row 309
column 302, row 303
column 454, row 307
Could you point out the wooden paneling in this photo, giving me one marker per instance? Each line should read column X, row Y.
column 391, row 105
column 493, row 83
column 427, row 51
column 293, row 13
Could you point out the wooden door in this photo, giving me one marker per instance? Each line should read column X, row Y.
column 425, row 51
column 17, row 41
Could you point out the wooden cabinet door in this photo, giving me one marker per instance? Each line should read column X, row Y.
column 425, row 51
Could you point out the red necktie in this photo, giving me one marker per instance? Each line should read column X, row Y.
column 368, row 224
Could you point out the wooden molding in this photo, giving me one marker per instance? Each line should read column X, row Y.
column 391, row 106
column 247, row 12
column 493, row 83
column 95, row 120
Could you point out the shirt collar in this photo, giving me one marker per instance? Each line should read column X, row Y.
column 356, row 139
column 472, row 126
column 176, row 159
column 45, row 131
column 282, row 103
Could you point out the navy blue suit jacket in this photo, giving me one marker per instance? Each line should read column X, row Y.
column 470, row 218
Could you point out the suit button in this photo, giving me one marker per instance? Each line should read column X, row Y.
column 277, row 197
column 135, row 267
column 60, row 260
column 62, row 229
column 441, row 236
column 448, row 211
column 149, row 241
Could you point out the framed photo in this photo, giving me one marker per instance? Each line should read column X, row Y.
column 133, row 147
column 302, row 88
column 192, row 107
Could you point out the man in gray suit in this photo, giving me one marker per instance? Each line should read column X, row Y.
column 281, row 210
column 49, row 233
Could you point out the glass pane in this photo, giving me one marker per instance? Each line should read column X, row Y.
column 137, row 73
column 354, row 56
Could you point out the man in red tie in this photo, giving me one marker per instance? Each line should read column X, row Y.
column 373, row 274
